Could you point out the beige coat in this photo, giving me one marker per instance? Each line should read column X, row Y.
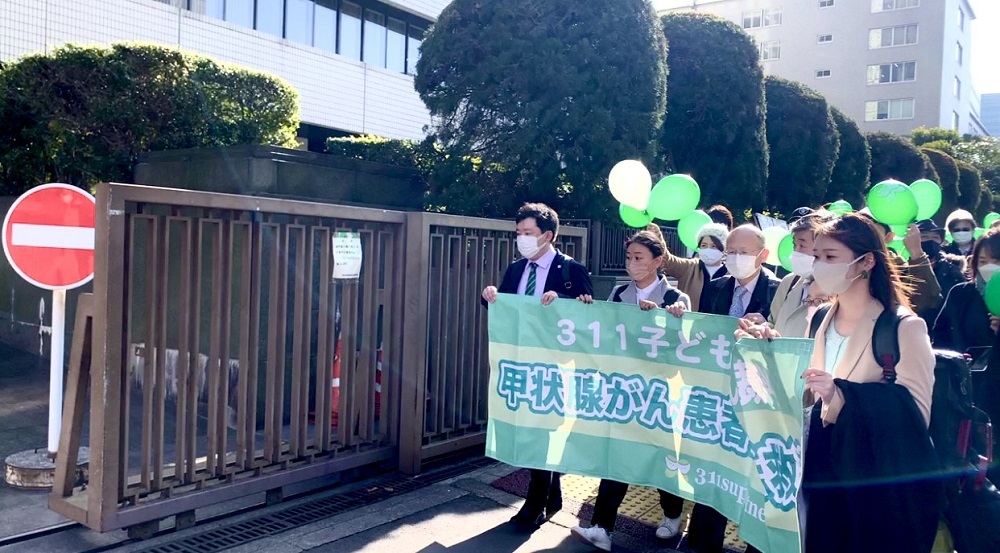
column 915, row 369
column 689, row 274
column 790, row 318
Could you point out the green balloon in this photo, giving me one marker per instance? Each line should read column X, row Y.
column 978, row 233
column 841, row 207
column 785, row 249
column 990, row 218
column 992, row 296
column 899, row 230
column 689, row 227
column 893, row 203
column 948, row 238
column 673, row 197
column 898, row 246
column 928, row 195
column 633, row 217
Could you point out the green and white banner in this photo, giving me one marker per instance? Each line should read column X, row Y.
column 610, row 391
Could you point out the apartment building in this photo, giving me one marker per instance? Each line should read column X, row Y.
column 891, row 65
column 352, row 61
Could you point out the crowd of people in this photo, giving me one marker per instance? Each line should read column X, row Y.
column 843, row 277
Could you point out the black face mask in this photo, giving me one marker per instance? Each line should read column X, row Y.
column 930, row 247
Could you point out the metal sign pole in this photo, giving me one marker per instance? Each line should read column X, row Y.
column 56, row 368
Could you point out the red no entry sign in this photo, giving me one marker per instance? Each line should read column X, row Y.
column 48, row 236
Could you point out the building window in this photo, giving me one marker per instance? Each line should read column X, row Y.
column 958, row 88
column 772, row 17
column 770, row 50
column 395, row 46
column 961, row 18
column 822, row 73
column 762, row 18
column 955, row 120
column 350, row 31
column 825, row 3
column 897, row 72
column 239, row 12
column 958, row 53
column 899, row 35
column 753, row 20
column 882, row 110
column 271, row 17
column 823, row 39
column 299, row 19
column 325, row 25
column 890, row 5
column 375, row 36
column 215, row 8
column 414, row 38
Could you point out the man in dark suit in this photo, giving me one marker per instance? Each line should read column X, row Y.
column 746, row 292
column 546, row 273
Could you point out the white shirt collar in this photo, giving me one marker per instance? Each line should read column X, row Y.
column 545, row 261
column 750, row 285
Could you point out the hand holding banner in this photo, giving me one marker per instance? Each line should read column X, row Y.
column 609, row 391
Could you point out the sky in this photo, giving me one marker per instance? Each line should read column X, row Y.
column 985, row 42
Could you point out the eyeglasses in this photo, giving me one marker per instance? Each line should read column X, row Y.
column 753, row 253
column 962, row 230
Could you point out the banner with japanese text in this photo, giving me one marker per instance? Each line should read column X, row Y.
column 610, row 391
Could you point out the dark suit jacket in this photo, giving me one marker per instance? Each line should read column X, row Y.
column 719, row 294
column 579, row 279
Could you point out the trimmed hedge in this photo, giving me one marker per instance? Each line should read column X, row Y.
column 82, row 115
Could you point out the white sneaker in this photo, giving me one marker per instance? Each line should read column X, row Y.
column 595, row 535
column 668, row 528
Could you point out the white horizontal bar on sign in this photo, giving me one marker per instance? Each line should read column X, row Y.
column 52, row 236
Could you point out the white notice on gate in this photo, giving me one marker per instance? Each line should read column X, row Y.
column 346, row 255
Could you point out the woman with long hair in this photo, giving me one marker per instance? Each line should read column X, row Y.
column 868, row 452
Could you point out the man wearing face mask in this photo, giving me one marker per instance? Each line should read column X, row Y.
column 797, row 293
column 962, row 225
column 546, row 273
column 748, row 288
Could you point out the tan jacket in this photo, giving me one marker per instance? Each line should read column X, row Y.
column 915, row 369
column 790, row 318
column 689, row 274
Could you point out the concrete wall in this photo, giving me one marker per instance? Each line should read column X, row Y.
column 336, row 92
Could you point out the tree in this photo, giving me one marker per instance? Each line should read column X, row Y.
column 556, row 91
column 854, row 162
column 83, row 115
column 984, row 154
column 985, row 203
column 969, row 186
column 948, row 176
column 894, row 157
column 714, row 127
column 803, row 142
column 921, row 136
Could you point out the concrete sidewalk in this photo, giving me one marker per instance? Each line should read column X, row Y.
column 462, row 515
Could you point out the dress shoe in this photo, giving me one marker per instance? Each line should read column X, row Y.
column 528, row 517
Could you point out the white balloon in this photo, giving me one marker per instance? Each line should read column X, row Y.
column 772, row 239
column 630, row 183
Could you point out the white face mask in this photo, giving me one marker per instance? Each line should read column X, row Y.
column 528, row 246
column 987, row 271
column 710, row 256
column 832, row 277
column 802, row 264
column 741, row 266
column 963, row 237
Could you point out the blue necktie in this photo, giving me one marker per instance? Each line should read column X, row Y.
column 738, row 308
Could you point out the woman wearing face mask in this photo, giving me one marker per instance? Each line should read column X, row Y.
column 860, row 429
column 965, row 322
column 693, row 274
column 644, row 254
column 962, row 225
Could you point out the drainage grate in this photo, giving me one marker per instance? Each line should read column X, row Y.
column 300, row 515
